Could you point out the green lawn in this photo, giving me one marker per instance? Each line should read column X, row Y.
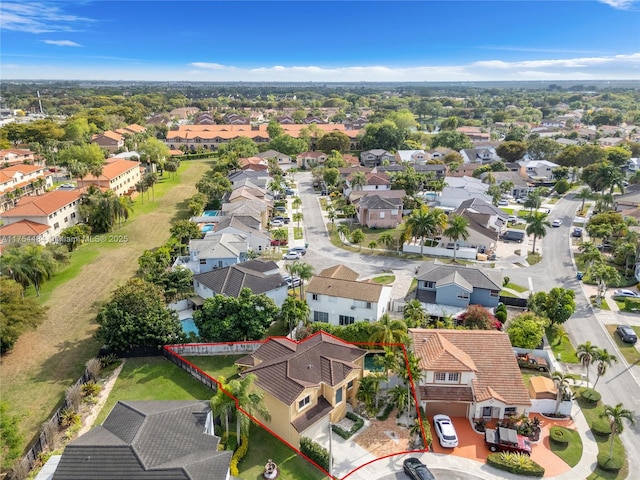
column 153, row 378
column 297, row 233
column 570, row 452
column 518, row 226
column 592, row 413
column 507, row 210
column 384, row 279
column 629, row 352
column 561, row 345
column 216, row 365
column 533, row 258
column 506, row 293
column 263, row 446
column 516, row 287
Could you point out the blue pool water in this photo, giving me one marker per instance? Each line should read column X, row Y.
column 208, row 227
column 189, row 326
column 370, row 363
column 211, row 213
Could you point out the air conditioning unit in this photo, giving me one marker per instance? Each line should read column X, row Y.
column 353, row 307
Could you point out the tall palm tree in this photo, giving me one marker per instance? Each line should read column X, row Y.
column 386, row 239
column 388, row 330
column 296, row 203
column 40, row 263
column 413, row 314
column 537, row 227
column 78, row 170
column 305, row 272
column 331, row 215
column 421, row 225
column 298, row 217
column 587, row 354
column 458, row 229
column 358, row 180
column 96, row 170
column 562, row 381
column 590, row 254
column 604, row 359
column 615, row 415
column 533, row 201
column 250, row 402
column 368, row 391
column 294, row 310
column 223, row 404
column 344, row 231
column 583, row 195
column 123, row 209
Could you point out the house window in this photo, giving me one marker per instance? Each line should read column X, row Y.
column 350, row 385
column 321, row 317
column 495, row 293
column 339, row 396
column 368, row 305
column 486, row 411
column 345, row 320
column 382, row 214
column 510, row 411
column 429, row 284
column 314, row 296
column 394, row 212
column 203, row 261
column 453, row 377
column 441, row 377
column 56, row 225
column 304, row 402
column 447, row 377
column 463, row 295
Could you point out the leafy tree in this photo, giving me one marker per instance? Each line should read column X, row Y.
column 88, row 154
column 603, row 275
column 288, row 145
column 604, row 360
column 250, row 402
column 476, row 317
column 10, row 436
column 615, row 415
column 77, row 130
column 587, row 354
column 413, row 314
column 18, row 314
column 511, row 151
column 372, row 244
column 388, row 330
column 101, row 210
column 137, row 316
column 458, row 228
column 357, row 237
column 154, row 151
column 526, row 330
column 184, row 231
column 557, row 305
column 386, row 136
column 543, row 149
column 335, row 160
column 451, row 139
column 562, row 186
column 177, row 284
column 386, row 239
column 618, row 155
column 274, row 130
column 337, row 141
column 537, row 227
column 231, row 319
column 74, row 236
column 331, row 176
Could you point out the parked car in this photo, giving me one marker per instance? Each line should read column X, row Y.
column 280, row 209
column 526, row 360
column 279, row 243
column 503, row 203
column 605, row 247
column 446, row 431
column 277, row 223
column 506, row 440
column 288, row 191
column 513, row 236
column 577, row 232
column 556, row 223
column 626, row 293
column 416, row 470
column 292, row 281
column 513, row 218
column 521, row 200
column 292, row 256
column 626, row 334
column 301, row 250
column 284, row 220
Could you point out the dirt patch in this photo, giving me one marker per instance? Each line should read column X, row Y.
column 384, row 437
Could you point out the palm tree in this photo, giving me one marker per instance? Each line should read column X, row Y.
column 349, row 211
column 368, row 391
column 386, row 239
column 388, row 330
column 40, row 263
column 615, row 416
column 604, row 359
column 372, row 244
column 96, row 170
column 537, row 227
column 590, row 254
column 305, row 272
column 400, row 396
column 457, row 229
column 533, row 201
column 331, row 214
column 387, row 361
column 280, row 234
column 223, row 404
column 78, row 170
column 583, row 195
column 296, row 203
column 298, row 217
column 587, row 354
column 357, row 237
column 344, row 231
column 358, row 180
column 421, row 225
column 562, row 381
column 294, row 310
column 123, row 209
column 414, row 315
column 250, row 401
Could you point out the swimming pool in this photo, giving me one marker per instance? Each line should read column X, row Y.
column 208, row 227
column 370, row 363
column 211, row 213
column 188, row 326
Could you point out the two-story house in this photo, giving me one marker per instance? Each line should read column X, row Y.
column 310, row 159
column 468, row 373
column 110, row 141
column 375, row 211
column 486, row 222
column 336, row 296
column 306, row 385
column 539, row 170
column 449, row 289
column 412, row 156
column 261, row 277
column 281, row 158
column 18, row 156
column 482, row 155
column 376, row 157
column 214, row 251
column 258, row 240
column 118, row 175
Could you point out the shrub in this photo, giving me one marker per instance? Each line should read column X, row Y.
column 108, row 360
column 315, row 452
column 73, row 396
column 359, row 422
column 238, row 455
column 560, row 435
column 501, row 315
column 517, row 463
column 69, row 418
column 91, row 389
column 591, row 395
column 386, row 412
column 93, row 368
column 612, row 464
column 601, row 426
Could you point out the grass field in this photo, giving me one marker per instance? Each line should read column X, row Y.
column 217, row 365
column 561, row 345
column 384, row 279
column 570, row 452
column 516, row 287
column 46, row 361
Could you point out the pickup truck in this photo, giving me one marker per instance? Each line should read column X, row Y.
column 526, row 360
column 506, row 440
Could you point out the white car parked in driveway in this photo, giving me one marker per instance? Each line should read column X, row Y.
column 445, row 431
column 292, row 256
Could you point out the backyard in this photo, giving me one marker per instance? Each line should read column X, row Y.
column 46, row 361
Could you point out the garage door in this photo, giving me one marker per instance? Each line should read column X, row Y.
column 318, row 429
column 448, row 408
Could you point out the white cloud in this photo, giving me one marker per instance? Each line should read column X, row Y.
column 619, row 4
column 37, row 17
column 62, row 43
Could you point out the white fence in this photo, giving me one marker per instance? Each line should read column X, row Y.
column 546, row 406
column 462, row 252
column 192, row 349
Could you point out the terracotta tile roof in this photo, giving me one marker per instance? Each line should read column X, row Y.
column 4, row 177
column 24, row 168
column 487, row 353
column 312, row 415
column 43, row 205
column 340, row 272
column 23, row 228
column 108, row 134
column 448, row 393
column 134, row 127
column 113, row 169
column 377, row 179
column 285, row 369
column 335, row 287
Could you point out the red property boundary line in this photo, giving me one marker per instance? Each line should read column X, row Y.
column 170, row 351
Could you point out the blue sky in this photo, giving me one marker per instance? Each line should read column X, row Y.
column 321, row 41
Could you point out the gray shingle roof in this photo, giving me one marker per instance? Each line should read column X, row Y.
column 147, row 440
column 376, row 202
column 231, row 280
column 432, row 272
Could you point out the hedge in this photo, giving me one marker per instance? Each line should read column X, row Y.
column 315, row 452
column 386, row 412
column 612, row 464
column 193, row 156
column 517, row 463
column 560, row 435
column 601, row 426
column 239, row 455
column 591, row 395
column 346, row 434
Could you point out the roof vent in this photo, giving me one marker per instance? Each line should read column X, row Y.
column 310, row 366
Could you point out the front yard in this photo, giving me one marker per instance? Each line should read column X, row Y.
column 629, row 352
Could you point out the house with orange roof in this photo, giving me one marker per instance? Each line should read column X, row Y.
column 254, row 163
column 110, row 141
column 118, row 174
column 19, row 180
column 309, row 159
column 16, row 156
column 44, row 216
column 306, row 385
column 468, row 373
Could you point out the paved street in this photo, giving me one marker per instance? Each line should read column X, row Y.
column 619, row 385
